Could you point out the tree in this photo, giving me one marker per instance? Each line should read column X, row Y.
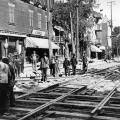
column 116, row 40
column 61, row 16
column 61, row 13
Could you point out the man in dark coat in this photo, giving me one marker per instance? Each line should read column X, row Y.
column 66, row 65
column 22, row 63
column 5, row 75
column 11, row 82
column 44, row 66
column 84, row 62
column 73, row 63
column 52, row 66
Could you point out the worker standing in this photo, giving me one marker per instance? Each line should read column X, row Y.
column 73, row 63
column 11, row 82
column 4, row 87
column 44, row 64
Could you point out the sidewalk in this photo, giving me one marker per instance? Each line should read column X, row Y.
column 96, row 64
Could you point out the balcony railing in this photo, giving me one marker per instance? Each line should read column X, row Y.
column 59, row 39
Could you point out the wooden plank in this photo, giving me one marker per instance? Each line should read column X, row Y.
column 21, row 109
column 40, row 99
column 86, row 105
column 84, row 116
column 31, row 101
column 40, row 90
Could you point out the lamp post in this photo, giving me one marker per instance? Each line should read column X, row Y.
column 6, row 47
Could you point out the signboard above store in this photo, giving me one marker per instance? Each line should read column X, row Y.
column 38, row 32
column 11, row 33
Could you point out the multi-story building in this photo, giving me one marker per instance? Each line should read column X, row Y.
column 19, row 19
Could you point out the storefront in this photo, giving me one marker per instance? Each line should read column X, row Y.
column 11, row 43
column 40, row 45
column 95, row 51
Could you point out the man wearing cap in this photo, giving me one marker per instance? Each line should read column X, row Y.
column 73, row 63
column 52, row 66
column 44, row 66
column 5, row 75
column 34, row 58
column 66, row 65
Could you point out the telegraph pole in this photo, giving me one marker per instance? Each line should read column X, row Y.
column 77, row 33
column 73, row 47
column 48, row 28
column 111, row 6
column 111, row 23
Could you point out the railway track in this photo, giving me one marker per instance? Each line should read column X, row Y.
column 59, row 101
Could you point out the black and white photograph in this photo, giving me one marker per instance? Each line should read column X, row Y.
column 59, row 60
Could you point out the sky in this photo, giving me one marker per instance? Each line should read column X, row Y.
column 115, row 10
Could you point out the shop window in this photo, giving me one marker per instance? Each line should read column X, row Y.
column 11, row 12
column 39, row 20
column 31, row 18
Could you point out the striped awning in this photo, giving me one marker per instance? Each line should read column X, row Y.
column 32, row 42
column 95, row 49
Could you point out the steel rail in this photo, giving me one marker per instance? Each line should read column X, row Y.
column 104, row 101
column 46, row 105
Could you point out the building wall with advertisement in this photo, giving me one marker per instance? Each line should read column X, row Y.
column 19, row 19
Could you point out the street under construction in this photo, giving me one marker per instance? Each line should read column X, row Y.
column 61, row 101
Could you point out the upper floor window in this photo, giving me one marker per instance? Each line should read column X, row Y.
column 31, row 17
column 39, row 20
column 46, row 25
column 11, row 12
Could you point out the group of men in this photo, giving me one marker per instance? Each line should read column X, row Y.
column 73, row 62
column 45, row 63
column 67, row 63
column 7, row 81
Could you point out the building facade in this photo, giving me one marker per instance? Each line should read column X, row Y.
column 19, row 19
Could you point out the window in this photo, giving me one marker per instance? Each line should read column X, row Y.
column 11, row 12
column 46, row 23
column 39, row 20
column 31, row 18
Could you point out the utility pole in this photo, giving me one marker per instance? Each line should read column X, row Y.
column 73, row 47
column 77, row 33
column 111, row 23
column 48, row 28
column 71, row 23
column 111, row 6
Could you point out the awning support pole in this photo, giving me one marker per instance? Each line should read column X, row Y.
column 48, row 28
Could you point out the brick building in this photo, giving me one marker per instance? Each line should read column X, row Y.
column 19, row 19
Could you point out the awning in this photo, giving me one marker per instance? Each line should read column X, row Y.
column 33, row 42
column 102, row 47
column 59, row 28
column 95, row 49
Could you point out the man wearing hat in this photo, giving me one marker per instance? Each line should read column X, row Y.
column 52, row 66
column 44, row 66
column 66, row 65
column 73, row 63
